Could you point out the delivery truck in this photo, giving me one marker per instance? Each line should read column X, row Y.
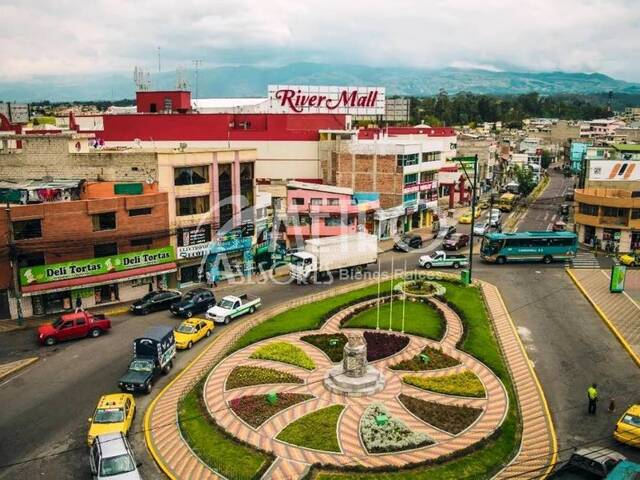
column 323, row 256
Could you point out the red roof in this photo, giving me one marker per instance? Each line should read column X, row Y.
column 371, row 133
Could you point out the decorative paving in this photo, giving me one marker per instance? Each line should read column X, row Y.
column 292, row 460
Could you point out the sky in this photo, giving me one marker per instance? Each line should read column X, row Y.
column 59, row 37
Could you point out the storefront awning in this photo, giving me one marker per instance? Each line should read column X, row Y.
column 97, row 280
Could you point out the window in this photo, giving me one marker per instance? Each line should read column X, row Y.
column 316, row 201
column 427, row 176
column 26, row 229
column 410, row 197
column 413, row 178
column 332, row 221
column 191, row 175
column 105, row 250
column 635, row 213
column 30, row 259
column 224, row 194
column 302, row 219
column 431, row 156
column 153, row 108
column 80, row 321
column 168, row 104
column 104, row 221
column 561, row 242
column 192, row 205
column 246, row 182
column 333, row 202
column 141, row 242
column 297, row 201
column 406, row 160
column 586, row 209
column 135, row 212
column 615, row 212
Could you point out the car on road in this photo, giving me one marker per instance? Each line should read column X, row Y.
column 198, row 300
column 451, row 229
column 465, row 218
column 443, row 259
column 231, row 307
column 630, row 259
column 114, row 413
column 456, row 242
column 73, row 325
column 191, row 331
column 407, row 242
column 628, row 427
column 111, row 457
column 594, row 461
column 493, row 218
column 154, row 301
column 481, row 228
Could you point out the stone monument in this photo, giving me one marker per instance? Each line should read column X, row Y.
column 354, row 377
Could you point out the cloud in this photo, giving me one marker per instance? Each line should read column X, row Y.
column 78, row 37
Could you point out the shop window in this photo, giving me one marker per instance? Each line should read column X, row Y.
column 141, row 242
column 315, row 201
column 333, row 202
column 104, row 221
column 31, row 259
column 191, row 175
column 26, row 229
column 615, row 212
column 136, row 212
column 105, row 250
column 586, row 209
column 192, row 205
column 106, row 294
column 297, row 201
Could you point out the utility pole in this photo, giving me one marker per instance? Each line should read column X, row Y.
column 159, row 64
column 473, row 205
column 13, row 259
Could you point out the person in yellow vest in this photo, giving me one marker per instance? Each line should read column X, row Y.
column 592, row 395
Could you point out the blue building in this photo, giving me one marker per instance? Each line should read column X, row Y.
column 577, row 155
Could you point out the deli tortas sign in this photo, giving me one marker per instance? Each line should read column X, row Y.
column 95, row 266
column 325, row 99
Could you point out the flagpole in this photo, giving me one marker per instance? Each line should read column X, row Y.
column 404, row 295
column 378, row 313
column 391, row 298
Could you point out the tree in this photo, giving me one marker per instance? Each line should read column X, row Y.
column 546, row 159
column 524, row 177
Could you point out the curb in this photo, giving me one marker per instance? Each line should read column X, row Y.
column 545, row 404
column 24, row 364
column 634, row 356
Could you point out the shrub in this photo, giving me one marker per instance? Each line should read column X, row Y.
column 450, row 418
column 381, row 345
column 286, row 353
column 315, row 430
column 323, row 342
column 245, row 376
column 255, row 409
column 465, row 384
column 437, row 359
column 393, row 436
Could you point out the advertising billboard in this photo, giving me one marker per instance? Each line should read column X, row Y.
column 618, row 274
column 326, row 99
column 614, row 170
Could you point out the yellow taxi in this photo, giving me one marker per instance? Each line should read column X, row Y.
column 192, row 330
column 628, row 427
column 113, row 414
column 629, row 259
column 466, row 216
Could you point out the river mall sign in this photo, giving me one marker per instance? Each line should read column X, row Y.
column 325, row 99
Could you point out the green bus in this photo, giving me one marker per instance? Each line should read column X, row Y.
column 522, row 246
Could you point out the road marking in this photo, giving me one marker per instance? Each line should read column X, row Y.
column 553, row 219
column 546, row 215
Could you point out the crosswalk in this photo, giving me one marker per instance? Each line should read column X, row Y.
column 584, row 260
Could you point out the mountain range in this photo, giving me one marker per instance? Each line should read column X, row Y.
column 252, row 81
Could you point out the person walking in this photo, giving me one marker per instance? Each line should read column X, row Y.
column 592, row 396
column 78, row 304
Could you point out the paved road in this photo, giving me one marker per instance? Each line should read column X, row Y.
column 44, row 409
column 544, row 212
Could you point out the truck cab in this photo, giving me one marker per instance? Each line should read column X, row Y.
column 71, row 326
column 303, row 266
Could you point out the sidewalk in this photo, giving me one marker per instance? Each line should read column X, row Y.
column 619, row 311
column 10, row 368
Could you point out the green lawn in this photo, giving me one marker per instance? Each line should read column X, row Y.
column 216, row 448
column 419, row 319
column 304, row 317
column 480, row 342
column 315, row 430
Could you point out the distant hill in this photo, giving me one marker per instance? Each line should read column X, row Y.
column 249, row 81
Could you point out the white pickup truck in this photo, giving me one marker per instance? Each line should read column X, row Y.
column 443, row 259
column 231, row 307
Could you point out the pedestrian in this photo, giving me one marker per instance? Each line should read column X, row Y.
column 592, row 396
column 78, row 304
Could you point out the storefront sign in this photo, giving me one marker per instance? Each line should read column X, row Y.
column 95, row 266
column 327, row 99
column 230, row 244
column 614, row 171
column 618, row 273
column 426, row 186
column 193, row 251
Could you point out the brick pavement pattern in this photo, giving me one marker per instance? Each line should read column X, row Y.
column 178, row 461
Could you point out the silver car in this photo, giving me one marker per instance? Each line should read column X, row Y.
column 111, row 458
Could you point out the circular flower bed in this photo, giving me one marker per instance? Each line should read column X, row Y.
column 420, row 288
column 383, row 434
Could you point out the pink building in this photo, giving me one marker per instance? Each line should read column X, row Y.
column 316, row 210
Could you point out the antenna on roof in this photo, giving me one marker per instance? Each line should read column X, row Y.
column 141, row 79
column 181, row 82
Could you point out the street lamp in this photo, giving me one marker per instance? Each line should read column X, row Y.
column 463, row 162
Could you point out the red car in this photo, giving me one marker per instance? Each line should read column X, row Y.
column 73, row 325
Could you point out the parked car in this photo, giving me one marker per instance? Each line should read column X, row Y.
column 153, row 354
column 73, row 325
column 630, row 259
column 465, row 218
column 154, row 301
column 628, row 427
column 442, row 259
column 191, row 331
column 456, row 242
column 114, row 413
column 231, row 307
column 559, row 226
column 481, row 228
column 595, row 460
column 407, row 242
column 198, row 300
column 111, row 458
column 451, row 229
